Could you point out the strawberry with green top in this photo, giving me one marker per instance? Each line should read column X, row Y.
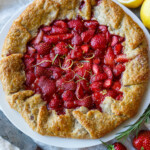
column 142, row 141
column 115, row 146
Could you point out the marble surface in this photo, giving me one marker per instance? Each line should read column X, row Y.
column 7, row 130
column 14, row 136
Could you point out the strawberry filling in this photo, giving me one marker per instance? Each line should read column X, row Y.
column 74, row 63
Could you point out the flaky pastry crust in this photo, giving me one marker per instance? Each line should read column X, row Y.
column 79, row 123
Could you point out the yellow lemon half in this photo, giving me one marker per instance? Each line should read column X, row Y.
column 131, row 3
column 145, row 13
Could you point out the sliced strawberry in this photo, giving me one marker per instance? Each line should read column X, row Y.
column 56, row 75
column 79, row 91
column 31, row 50
column 77, row 25
column 96, row 86
column 40, row 71
column 38, row 38
column 47, row 86
column 55, row 38
column 87, row 35
column 108, row 37
column 119, row 97
column 87, row 65
column 76, row 40
column 58, row 30
column 98, row 77
column 46, row 28
column 96, row 69
column 121, row 39
column 115, row 40
column 107, row 83
column 85, row 48
column 61, row 84
column 99, row 41
column 96, row 61
column 67, row 64
column 86, row 102
column 99, row 53
column 108, row 71
column 109, row 57
column 55, row 69
column 116, row 86
column 111, row 93
column 80, row 72
column 69, row 86
column 103, row 28
column 76, row 53
column 69, row 75
column 61, row 24
column 43, row 48
column 30, row 78
column 61, row 48
column 55, row 103
column 44, row 62
column 97, row 96
column 92, row 24
column 70, row 104
column 29, row 63
column 121, row 58
column 68, row 95
column 118, row 49
column 85, row 85
column 56, row 72
column 118, row 69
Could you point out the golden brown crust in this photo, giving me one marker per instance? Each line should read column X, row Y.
column 109, row 13
column 49, row 123
column 40, row 12
column 137, row 71
column 79, row 123
column 16, row 100
column 133, row 33
column 31, row 109
column 132, row 97
column 16, row 40
column 12, row 73
column 98, row 124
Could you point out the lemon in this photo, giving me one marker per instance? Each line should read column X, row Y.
column 131, row 3
column 145, row 13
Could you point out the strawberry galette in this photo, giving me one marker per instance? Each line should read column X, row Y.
column 74, row 68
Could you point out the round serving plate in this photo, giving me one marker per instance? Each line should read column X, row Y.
column 19, row 122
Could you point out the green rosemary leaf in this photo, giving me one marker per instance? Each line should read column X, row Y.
column 54, row 58
column 109, row 147
column 70, row 46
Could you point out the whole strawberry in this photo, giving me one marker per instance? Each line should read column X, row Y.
column 142, row 141
column 119, row 146
column 115, row 146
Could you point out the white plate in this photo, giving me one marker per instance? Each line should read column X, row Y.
column 19, row 122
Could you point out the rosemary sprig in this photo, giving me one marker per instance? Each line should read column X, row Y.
column 136, row 125
column 70, row 46
column 54, row 59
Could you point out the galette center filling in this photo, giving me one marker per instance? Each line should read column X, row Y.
column 74, row 63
